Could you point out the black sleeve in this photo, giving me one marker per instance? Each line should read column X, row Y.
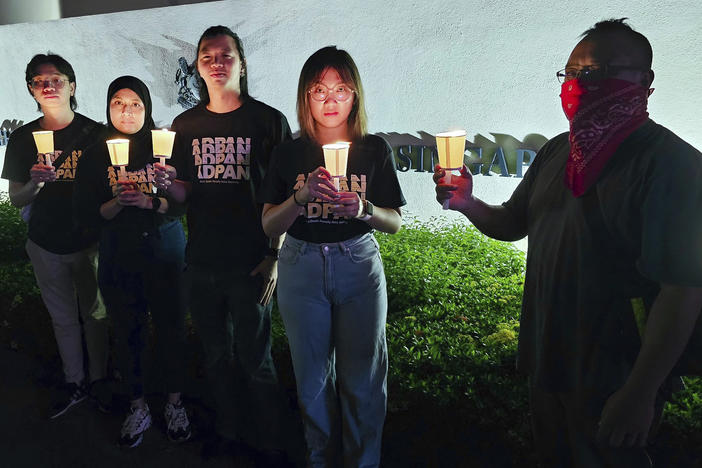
column 273, row 189
column 671, row 226
column 19, row 157
column 175, row 209
column 280, row 132
column 518, row 203
column 385, row 190
column 182, row 153
column 90, row 189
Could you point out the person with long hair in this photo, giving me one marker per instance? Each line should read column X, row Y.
column 221, row 155
column 63, row 256
column 331, row 289
column 142, row 246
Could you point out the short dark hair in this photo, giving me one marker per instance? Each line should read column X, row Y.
column 637, row 42
column 214, row 31
column 61, row 65
column 341, row 61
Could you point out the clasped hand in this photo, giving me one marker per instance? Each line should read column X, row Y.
column 128, row 194
column 319, row 185
column 41, row 173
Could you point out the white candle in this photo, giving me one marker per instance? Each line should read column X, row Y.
column 119, row 155
column 163, row 144
column 451, row 147
column 45, row 144
column 335, row 160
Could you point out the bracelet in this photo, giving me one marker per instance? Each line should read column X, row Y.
column 295, row 199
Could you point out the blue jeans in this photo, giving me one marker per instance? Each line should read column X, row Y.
column 333, row 301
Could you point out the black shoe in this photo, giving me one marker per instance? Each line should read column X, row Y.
column 69, row 396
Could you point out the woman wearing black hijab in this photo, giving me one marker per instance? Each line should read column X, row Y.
column 141, row 255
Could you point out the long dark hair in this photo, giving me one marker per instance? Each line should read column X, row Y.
column 214, row 31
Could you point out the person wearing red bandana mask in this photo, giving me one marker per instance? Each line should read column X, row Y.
column 613, row 287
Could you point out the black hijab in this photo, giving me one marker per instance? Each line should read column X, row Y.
column 140, row 145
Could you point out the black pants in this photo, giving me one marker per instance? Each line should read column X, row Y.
column 146, row 277
column 564, row 429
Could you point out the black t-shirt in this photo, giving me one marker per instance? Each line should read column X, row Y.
column 590, row 257
column 226, row 156
column 51, row 223
column 370, row 172
column 94, row 182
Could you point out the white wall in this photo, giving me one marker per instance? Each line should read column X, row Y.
column 487, row 67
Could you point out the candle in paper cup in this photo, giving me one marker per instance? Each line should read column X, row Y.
column 336, row 157
column 45, row 144
column 119, row 155
column 163, row 144
column 451, row 146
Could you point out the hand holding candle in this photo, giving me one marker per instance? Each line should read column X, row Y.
column 335, row 160
column 451, row 147
column 119, row 155
column 45, row 144
column 163, row 144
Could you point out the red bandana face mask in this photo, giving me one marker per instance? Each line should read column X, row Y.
column 602, row 115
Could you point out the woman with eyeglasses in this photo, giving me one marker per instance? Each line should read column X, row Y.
column 63, row 256
column 142, row 246
column 331, row 290
column 221, row 153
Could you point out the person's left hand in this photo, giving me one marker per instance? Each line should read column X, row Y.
column 268, row 269
column 626, row 419
column 348, row 205
column 132, row 196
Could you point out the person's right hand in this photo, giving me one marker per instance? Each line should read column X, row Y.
column 164, row 175
column 41, row 173
column 318, row 185
column 459, row 192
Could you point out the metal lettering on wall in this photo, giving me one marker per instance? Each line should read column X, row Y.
column 503, row 155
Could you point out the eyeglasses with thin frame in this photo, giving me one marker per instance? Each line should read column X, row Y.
column 56, row 83
column 341, row 92
column 592, row 73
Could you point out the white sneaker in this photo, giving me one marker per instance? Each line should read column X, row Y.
column 137, row 422
column 177, row 422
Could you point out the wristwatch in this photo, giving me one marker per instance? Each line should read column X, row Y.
column 272, row 252
column 367, row 212
column 155, row 203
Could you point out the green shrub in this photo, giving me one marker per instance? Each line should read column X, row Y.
column 684, row 412
column 13, row 231
column 453, row 321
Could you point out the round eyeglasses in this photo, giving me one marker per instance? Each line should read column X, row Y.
column 56, row 83
column 339, row 93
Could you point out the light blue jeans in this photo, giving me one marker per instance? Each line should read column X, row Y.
column 333, row 301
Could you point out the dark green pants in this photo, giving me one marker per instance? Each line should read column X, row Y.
column 235, row 331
